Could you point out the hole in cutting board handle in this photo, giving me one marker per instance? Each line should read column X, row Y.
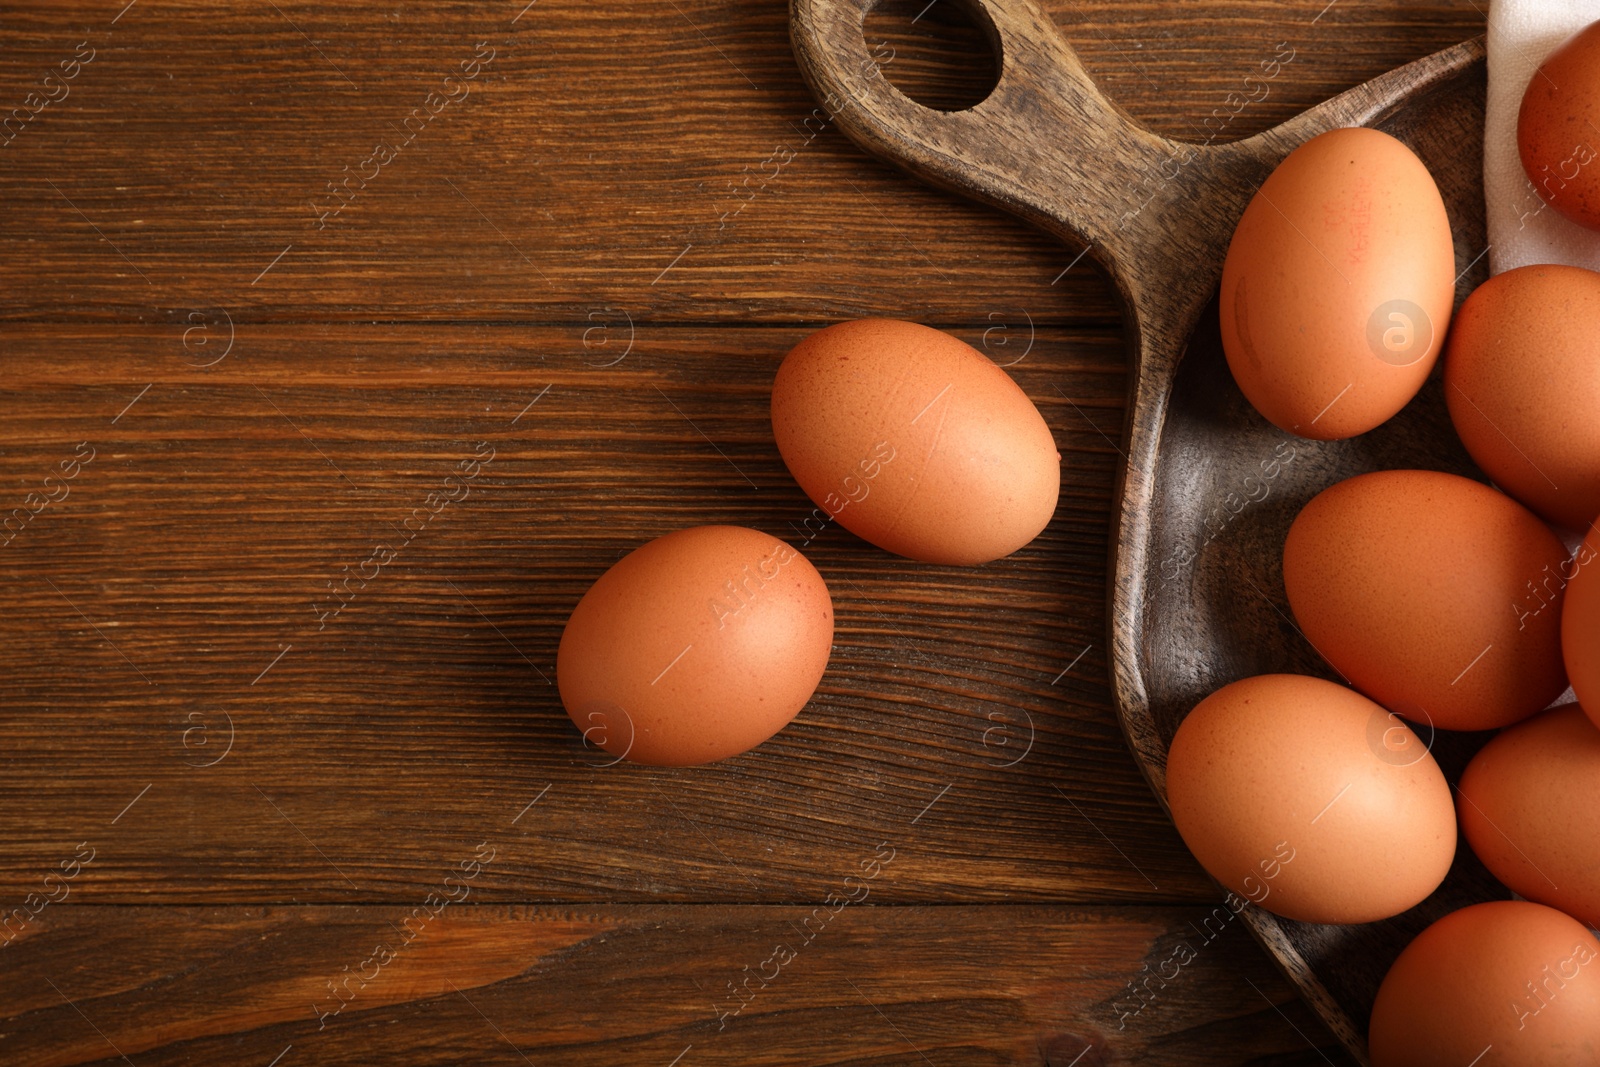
column 944, row 54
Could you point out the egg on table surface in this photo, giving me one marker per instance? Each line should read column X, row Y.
column 1557, row 125
column 1418, row 587
column 1530, row 808
column 1580, row 625
column 1506, row 983
column 913, row 440
column 1522, row 382
column 1310, row 800
column 696, row 646
column 1338, row 284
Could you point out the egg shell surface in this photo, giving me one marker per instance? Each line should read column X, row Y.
column 1506, row 983
column 1580, row 625
column 1530, row 808
column 1310, row 800
column 1338, row 284
column 913, row 440
column 1426, row 591
column 1522, row 382
column 1556, row 126
column 695, row 646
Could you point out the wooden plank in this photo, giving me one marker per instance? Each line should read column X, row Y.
column 174, row 600
column 1173, row 66
column 188, row 164
column 485, row 984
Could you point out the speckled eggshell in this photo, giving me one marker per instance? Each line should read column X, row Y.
column 913, row 440
column 1338, row 284
column 1580, row 625
column 1556, row 128
column 1522, row 381
column 1308, row 799
column 1506, row 983
column 1419, row 588
column 1530, row 808
column 696, row 646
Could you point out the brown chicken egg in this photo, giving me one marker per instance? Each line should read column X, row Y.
column 1337, row 286
column 696, row 646
column 1530, row 808
column 1310, row 800
column 1557, row 134
column 914, row 441
column 1522, row 380
column 1580, row 625
column 1417, row 586
column 1506, row 983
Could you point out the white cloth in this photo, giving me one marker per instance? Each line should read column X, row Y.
column 1522, row 229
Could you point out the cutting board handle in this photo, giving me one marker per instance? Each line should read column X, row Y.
column 1045, row 144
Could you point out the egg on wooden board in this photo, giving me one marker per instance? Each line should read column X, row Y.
column 1338, row 284
column 1310, row 800
column 696, row 646
column 1580, row 625
column 1505, row 983
column 913, row 440
column 1417, row 587
column 1558, row 128
column 1522, row 382
column 1530, row 808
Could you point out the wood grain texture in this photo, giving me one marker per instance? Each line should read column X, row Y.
column 566, row 179
column 485, row 984
column 631, row 210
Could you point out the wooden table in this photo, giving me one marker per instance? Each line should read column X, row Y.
column 347, row 344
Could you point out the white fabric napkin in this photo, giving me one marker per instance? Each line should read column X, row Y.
column 1522, row 229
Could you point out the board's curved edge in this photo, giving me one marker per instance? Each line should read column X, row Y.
column 1269, row 930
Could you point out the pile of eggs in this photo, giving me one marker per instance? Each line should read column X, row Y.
column 1440, row 600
